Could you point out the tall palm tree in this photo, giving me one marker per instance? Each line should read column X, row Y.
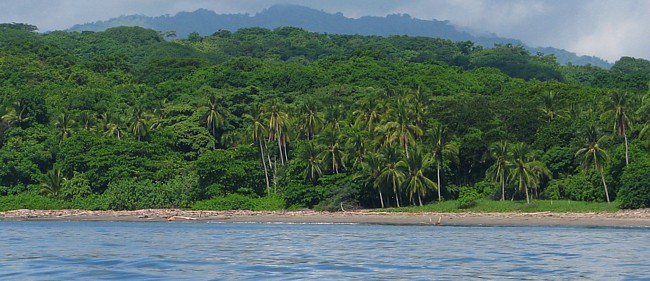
column 310, row 120
column 356, row 147
column 368, row 113
column 416, row 182
column 441, row 150
column 392, row 173
column 371, row 168
column 594, row 155
column 401, row 126
column 312, row 160
column 644, row 114
column 525, row 170
column 619, row 111
column 500, row 153
column 335, row 117
column 52, row 181
column 333, row 154
column 257, row 131
column 278, row 118
column 421, row 108
column 213, row 116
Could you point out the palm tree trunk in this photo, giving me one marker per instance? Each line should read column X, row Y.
column 277, row 136
column 602, row 177
column 381, row 198
column 439, row 185
column 627, row 156
column 214, row 135
column 420, row 199
column 527, row 197
column 503, row 186
column 266, row 172
column 397, row 198
column 406, row 148
column 286, row 155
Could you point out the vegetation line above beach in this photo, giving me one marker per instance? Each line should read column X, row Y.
column 287, row 119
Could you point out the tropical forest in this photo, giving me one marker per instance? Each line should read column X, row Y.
column 284, row 119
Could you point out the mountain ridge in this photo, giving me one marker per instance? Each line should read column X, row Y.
column 206, row 22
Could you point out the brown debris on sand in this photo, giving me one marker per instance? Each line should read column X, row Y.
column 639, row 218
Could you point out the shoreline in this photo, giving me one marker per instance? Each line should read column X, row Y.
column 624, row 218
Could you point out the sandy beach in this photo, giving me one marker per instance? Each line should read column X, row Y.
column 625, row 218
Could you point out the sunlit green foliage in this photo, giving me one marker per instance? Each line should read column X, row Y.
column 124, row 119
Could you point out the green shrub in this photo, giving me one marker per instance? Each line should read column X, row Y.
column 133, row 194
column 635, row 185
column 339, row 191
column 578, row 187
column 298, row 194
column 31, row 201
column 468, row 197
column 175, row 193
column 488, row 189
column 75, row 188
column 92, row 202
column 269, row 203
column 453, row 191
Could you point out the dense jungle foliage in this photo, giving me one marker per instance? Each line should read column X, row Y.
column 284, row 118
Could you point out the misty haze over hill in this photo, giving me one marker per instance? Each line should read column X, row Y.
column 207, row 22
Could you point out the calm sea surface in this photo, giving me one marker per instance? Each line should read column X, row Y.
column 47, row 250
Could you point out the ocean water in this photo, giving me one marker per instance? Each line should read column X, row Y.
column 59, row 250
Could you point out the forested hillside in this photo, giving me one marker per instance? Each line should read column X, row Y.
column 205, row 22
column 286, row 118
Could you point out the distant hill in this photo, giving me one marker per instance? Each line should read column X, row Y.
column 207, row 22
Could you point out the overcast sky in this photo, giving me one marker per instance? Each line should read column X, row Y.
column 605, row 28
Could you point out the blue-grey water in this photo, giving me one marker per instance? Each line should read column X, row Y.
column 56, row 250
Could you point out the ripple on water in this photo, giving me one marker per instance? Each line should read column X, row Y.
column 234, row 251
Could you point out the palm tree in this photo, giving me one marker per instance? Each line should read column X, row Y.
column 86, row 120
column 401, row 126
column 257, row 131
column 549, row 106
column 213, row 116
column 312, row 160
column 392, row 173
column 52, row 181
column 619, row 111
column 335, row 117
column 64, row 126
column 278, row 118
column 368, row 113
column 594, row 154
column 139, row 122
column 644, row 113
column 113, row 124
column 500, row 153
column 416, row 182
column 311, row 119
column 525, row 170
column 356, row 147
column 333, row 154
column 16, row 115
column 442, row 150
column 421, row 108
column 371, row 168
